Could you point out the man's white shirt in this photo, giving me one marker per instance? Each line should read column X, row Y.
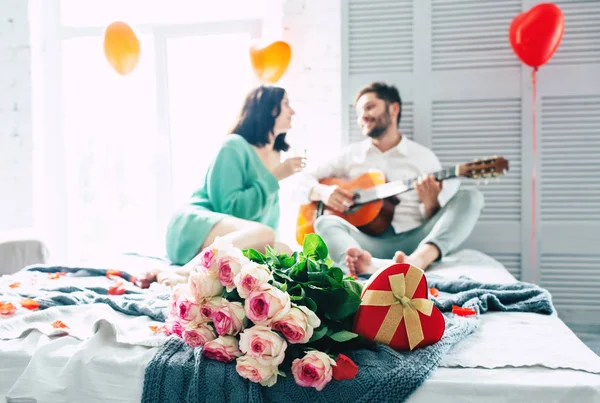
column 407, row 160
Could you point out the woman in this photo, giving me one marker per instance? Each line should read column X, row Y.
column 239, row 198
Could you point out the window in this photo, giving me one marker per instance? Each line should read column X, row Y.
column 126, row 151
column 209, row 76
column 86, row 13
column 110, row 144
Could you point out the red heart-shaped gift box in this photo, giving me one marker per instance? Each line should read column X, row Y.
column 396, row 310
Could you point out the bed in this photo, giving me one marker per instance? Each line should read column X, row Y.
column 511, row 357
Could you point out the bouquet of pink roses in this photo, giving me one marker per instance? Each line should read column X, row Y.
column 270, row 313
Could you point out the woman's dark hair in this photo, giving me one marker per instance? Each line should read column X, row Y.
column 256, row 119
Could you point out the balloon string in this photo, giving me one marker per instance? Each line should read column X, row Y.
column 533, row 172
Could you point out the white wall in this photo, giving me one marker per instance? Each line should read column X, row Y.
column 313, row 30
column 16, row 199
column 313, row 82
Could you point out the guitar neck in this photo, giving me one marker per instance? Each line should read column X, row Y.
column 444, row 174
column 396, row 187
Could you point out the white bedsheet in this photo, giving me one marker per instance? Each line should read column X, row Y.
column 99, row 369
column 83, row 322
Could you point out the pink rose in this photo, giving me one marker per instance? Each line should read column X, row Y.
column 263, row 344
column 314, row 370
column 196, row 335
column 223, row 348
column 229, row 261
column 208, row 259
column 209, row 307
column 180, row 292
column 265, row 302
column 297, row 325
column 229, row 267
column 249, row 368
column 229, row 319
column 188, row 311
column 251, row 276
column 173, row 325
column 204, row 284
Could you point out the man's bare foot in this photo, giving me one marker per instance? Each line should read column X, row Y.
column 359, row 261
column 400, row 257
column 421, row 258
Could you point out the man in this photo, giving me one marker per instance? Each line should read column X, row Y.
column 428, row 223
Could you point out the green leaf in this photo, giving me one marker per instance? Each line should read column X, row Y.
column 354, row 286
column 336, row 273
column 297, row 291
column 310, row 304
column 312, row 266
column 232, row 296
column 323, row 280
column 321, row 298
column 314, row 246
column 298, row 273
column 317, row 277
column 299, row 267
column 346, row 303
column 255, row 255
column 318, row 333
column 269, row 252
column 343, row 336
column 287, row 261
column 283, row 287
column 315, row 287
column 277, row 284
column 271, row 255
column 282, row 276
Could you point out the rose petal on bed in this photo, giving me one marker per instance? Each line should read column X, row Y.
column 58, row 324
column 7, row 309
column 117, row 289
column 434, row 292
column 114, row 273
column 30, row 304
column 153, row 328
column 16, row 284
column 460, row 311
column 54, row 276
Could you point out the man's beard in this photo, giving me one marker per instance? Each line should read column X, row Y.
column 382, row 123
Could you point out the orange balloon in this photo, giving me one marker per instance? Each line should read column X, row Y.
column 121, row 47
column 270, row 62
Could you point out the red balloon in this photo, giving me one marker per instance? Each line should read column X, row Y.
column 535, row 34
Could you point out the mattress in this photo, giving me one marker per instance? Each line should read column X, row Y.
column 500, row 363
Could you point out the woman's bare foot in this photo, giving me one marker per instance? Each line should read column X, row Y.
column 172, row 276
column 147, row 280
column 359, row 261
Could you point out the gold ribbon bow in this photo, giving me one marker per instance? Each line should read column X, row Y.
column 402, row 306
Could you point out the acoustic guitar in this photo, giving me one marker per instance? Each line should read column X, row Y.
column 375, row 198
